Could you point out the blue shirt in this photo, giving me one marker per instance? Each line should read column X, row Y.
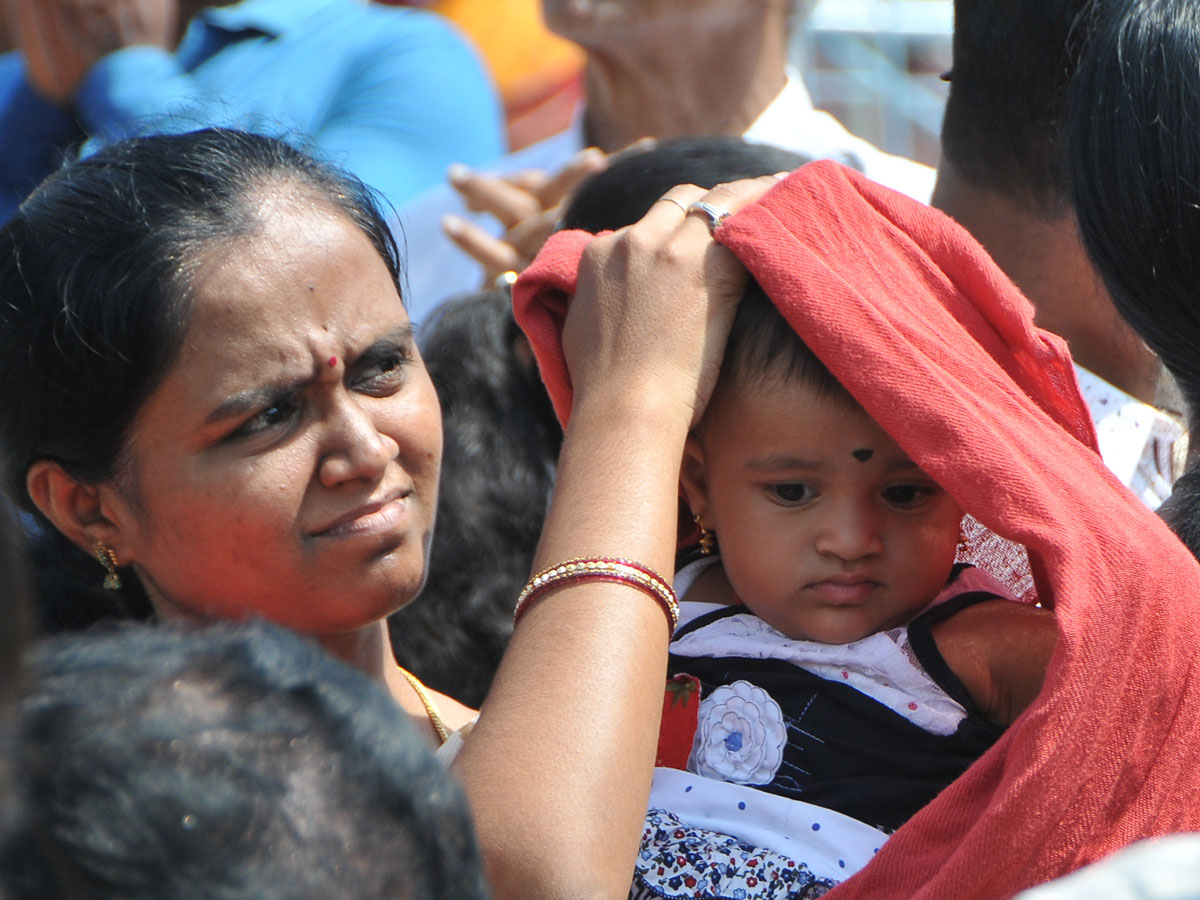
column 392, row 94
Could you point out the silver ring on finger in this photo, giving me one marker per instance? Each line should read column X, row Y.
column 676, row 202
column 716, row 217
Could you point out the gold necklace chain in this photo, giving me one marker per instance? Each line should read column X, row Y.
column 430, row 707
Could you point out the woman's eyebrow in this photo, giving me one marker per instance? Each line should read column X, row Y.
column 399, row 334
column 400, row 337
column 247, row 401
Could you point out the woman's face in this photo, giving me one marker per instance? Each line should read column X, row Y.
column 287, row 465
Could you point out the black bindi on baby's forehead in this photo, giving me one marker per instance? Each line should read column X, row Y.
column 862, row 455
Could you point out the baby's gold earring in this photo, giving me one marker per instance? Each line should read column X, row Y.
column 108, row 559
column 707, row 539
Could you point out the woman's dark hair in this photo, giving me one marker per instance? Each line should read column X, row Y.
column 15, row 631
column 625, row 191
column 96, row 274
column 1135, row 166
column 1134, row 163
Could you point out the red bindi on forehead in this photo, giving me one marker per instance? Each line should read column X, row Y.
column 332, row 361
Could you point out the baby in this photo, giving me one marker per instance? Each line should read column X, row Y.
column 830, row 651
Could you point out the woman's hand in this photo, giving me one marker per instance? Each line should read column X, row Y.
column 655, row 302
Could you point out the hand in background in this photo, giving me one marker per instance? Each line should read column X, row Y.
column 62, row 39
column 528, row 204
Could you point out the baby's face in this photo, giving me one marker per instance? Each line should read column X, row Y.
column 827, row 530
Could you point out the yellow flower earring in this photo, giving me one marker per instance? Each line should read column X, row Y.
column 707, row 539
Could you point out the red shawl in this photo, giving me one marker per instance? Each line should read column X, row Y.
column 914, row 318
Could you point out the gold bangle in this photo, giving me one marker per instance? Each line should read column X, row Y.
column 621, row 571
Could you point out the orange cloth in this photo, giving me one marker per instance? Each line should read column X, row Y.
column 913, row 317
column 538, row 74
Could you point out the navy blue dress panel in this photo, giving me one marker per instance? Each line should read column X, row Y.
column 846, row 751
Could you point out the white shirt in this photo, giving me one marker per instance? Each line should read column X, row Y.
column 1142, row 445
column 791, row 122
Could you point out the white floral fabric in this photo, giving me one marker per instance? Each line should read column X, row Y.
column 1142, row 445
column 679, row 861
column 832, row 845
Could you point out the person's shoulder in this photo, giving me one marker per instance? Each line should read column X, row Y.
column 975, row 622
column 999, row 649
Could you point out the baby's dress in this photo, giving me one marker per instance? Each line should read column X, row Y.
column 785, row 764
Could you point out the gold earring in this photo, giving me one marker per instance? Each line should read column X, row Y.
column 963, row 544
column 108, row 559
column 707, row 539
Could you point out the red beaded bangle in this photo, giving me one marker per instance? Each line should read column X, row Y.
column 582, row 569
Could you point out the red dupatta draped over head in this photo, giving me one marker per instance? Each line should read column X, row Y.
column 939, row 347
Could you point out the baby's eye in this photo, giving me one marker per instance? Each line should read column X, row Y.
column 792, row 493
column 280, row 412
column 906, row 496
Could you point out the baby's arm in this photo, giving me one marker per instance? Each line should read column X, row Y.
column 999, row 650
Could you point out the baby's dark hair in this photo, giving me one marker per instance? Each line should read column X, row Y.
column 764, row 347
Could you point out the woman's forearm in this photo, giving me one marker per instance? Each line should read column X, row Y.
column 559, row 799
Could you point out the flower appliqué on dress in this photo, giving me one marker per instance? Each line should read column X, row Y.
column 740, row 736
